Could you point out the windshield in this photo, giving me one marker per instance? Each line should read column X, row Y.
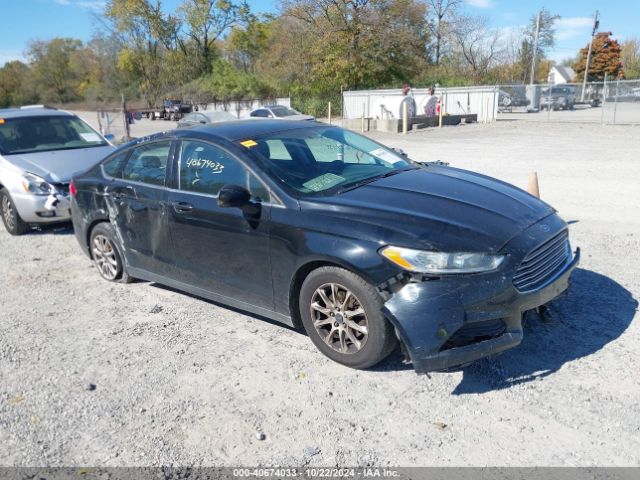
column 284, row 111
column 323, row 160
column 46, row 133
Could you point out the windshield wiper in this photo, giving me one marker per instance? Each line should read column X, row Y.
column 24, row 152
column 365, row 181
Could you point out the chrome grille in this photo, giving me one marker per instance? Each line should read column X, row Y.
column 542, row 263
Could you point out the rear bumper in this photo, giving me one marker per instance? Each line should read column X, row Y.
column 452, row 321
column 80, row 227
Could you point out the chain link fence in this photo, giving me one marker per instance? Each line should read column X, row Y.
column 112, row 123
column 614, row 102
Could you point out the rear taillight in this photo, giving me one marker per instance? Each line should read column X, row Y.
column 72, row 189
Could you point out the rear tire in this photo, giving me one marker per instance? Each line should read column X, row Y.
column 10, row 216
column 342, row 315
column 106, row 254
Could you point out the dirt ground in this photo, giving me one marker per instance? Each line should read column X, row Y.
column 93, row 373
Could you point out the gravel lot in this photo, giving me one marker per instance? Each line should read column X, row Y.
column 93, row 373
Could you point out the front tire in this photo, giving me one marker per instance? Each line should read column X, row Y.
column 106, row 254
column 10, row 216
column 342, row 315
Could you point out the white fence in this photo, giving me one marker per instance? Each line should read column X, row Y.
column 385, row 104
column 242, row 108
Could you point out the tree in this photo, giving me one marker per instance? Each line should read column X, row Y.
column 146, row 34
column 546, row 41
column 605, row 58
column 630, row 56
column 206, row 22
column 477, row 44
column 440, row 16
column 354, row 43
column 16, row 86
column 56, row 70
column 246, row 45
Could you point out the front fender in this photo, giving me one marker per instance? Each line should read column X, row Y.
column 293, row 249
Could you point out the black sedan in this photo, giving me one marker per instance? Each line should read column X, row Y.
column 324, row 229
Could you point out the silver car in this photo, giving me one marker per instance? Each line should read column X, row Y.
column 205, row 117
column 279, row 112
column 41, row 148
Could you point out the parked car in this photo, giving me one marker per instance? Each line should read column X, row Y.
column 559, row 98
column 205, row 117
column 515, row 97
column 40, row 149
column 279, row 111
column 324, row 229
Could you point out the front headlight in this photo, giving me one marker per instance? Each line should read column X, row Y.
column 35, row 185
column 441, row 262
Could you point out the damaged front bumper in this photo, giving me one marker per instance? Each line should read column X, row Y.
column 52, row 208
column 449, row 322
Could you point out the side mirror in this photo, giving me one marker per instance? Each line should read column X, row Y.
column 231, row 196
column 399, row 151
column 110, row 137
column 270, row 116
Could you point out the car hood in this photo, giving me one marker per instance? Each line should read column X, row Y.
column 436, row 207
column 59, row 166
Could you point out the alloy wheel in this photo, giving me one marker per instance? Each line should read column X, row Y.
column 7, row 212
column 339, row 318
column 104, row 254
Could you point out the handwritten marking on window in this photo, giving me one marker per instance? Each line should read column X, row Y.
column 215, row 167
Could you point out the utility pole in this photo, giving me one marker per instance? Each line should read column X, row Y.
column 596, row 23
column 535, row 50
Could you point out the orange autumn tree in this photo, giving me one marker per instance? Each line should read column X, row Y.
column 605, row 58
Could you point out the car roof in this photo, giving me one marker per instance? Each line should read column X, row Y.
column 246, row 129
column 33, row 112
column 230, row 131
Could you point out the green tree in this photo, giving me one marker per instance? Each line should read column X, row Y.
column 246, row 45
column 16, row 85
column 605, row 58
column 146, row 34
column 206, row 21
column 353, row 43
column 57, row 73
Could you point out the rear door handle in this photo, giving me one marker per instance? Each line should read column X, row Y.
column 181, row 207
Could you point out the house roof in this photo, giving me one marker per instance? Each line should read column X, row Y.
column 566, row 73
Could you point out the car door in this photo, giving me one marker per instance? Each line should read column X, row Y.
column 221, row 250
column 137, row 197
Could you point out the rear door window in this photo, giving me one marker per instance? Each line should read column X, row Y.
column 148, row 163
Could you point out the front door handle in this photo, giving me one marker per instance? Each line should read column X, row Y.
column 181, row 207
column 122, row 192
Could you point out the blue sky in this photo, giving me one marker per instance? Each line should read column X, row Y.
column 24, row 20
